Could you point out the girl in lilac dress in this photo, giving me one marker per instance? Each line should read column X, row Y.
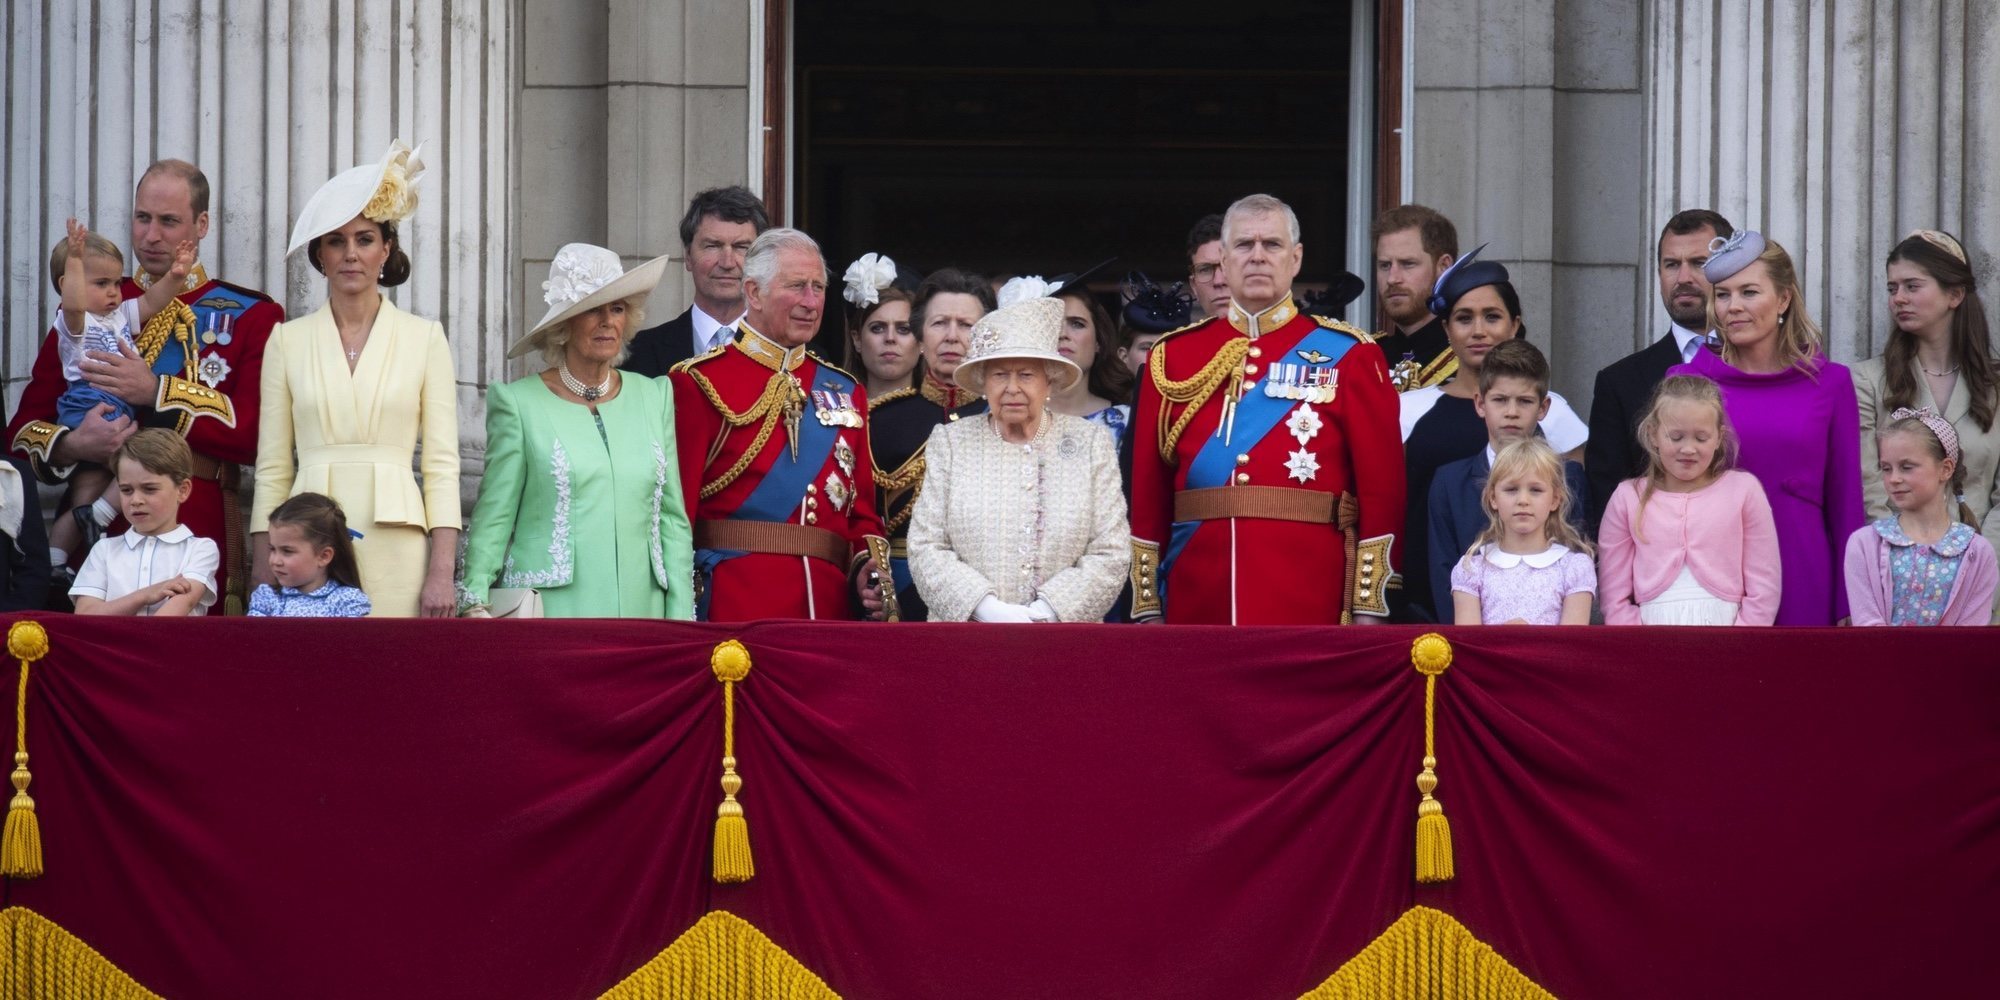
column 1529, row 567
column 1794, row 415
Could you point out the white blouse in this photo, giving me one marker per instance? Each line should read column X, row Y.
column 1043, row 520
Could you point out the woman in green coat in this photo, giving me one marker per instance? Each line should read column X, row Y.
column 581, row 500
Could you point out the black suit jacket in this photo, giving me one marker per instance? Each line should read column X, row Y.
column 658, row 348
column 1617, row 405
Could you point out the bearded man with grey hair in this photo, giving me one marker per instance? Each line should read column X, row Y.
column 1267, row 458
column 773, row 452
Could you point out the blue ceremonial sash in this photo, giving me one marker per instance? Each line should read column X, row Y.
column 1257, row 414
column 777, row 495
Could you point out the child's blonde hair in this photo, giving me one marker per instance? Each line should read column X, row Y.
column 93, row 246
column 1695, row 389
column 1915, row 426
column 160, row 452
column 1523, row 458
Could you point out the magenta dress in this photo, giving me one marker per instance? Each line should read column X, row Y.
column 1801, row 438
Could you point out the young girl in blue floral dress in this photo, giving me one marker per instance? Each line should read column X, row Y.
column 312, row 560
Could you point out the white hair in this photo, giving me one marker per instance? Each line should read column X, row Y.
column 555, row 341
column 1259, row 204
column 761, row 263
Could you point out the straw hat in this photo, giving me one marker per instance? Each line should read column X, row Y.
column 583, row 277
column 1024, row 330
column 384, row 192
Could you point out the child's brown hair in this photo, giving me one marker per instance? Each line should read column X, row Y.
column 324, row 524
column 93, row 246
column 158, row 451
column 1515, row 359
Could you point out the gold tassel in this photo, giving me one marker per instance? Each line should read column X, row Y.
column 731, row 663
column 21, row 841
column 1431, row 654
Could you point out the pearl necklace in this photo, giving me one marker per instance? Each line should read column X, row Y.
column 1953, row 370
column 575, row 385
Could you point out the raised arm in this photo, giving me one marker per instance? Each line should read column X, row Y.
column 74, row 281
column 160, row 293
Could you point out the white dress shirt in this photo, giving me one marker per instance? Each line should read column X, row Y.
column 124, row 563
column 709, row 332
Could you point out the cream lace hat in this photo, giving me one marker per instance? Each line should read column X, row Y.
column 583, row 277
column 1027, row 329
column 384, row 192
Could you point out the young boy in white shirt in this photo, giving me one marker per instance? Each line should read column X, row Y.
column 159, row 567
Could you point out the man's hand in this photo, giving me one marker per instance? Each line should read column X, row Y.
column 125, row 375
column 95, row 439
column 868, row 586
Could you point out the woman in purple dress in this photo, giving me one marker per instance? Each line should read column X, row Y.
column 1794, row 413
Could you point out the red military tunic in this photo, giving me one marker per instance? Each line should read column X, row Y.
column 209, row 380
column 732, row 429
column 1252, row 529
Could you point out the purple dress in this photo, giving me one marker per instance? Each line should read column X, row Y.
column 1801, row 437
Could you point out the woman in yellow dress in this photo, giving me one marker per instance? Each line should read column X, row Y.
column 351, row 391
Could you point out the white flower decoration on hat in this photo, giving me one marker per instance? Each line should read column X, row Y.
column 578, row 270
column 865, row 279
column 1023, row 288
column 384, row 191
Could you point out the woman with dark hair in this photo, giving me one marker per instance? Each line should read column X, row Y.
column 1441, row 423
column 1089, row 340
column 1940, row 355
column 943, row 312
column 1793, row 412
column 881, row 340
column 351, row 391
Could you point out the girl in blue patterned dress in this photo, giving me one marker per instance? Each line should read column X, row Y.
column 312, row 560
column 1926, row 563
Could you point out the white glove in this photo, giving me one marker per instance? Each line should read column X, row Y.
column 993, row 609
column 1040, row 611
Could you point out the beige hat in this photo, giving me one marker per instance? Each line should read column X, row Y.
column 384, row 192
column 583, row 277
column 1028, row 329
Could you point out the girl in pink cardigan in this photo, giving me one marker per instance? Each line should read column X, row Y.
column 1692, row 541
column 1925, row 564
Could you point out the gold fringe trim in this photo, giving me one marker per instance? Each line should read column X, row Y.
column 722, row 957
column 45, row 962
column 1431, row 654
column 1427, row 955
column 731, row 663
column 21, row 839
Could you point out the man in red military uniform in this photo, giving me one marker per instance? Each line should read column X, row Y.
column 196, row 372
column 1267, row 468
column 774, row 456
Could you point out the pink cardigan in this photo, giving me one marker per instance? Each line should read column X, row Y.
column 1723, row 533
column 1868, row 588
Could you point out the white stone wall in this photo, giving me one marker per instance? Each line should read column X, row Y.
column 1834, row 128
column 269, row 99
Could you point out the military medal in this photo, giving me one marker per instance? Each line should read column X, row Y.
column 843, row 456
column 1304, row 423
column 1403, row 374
column 212, row 369
column 837, row 492
column 1303, row 465
column 834, row 407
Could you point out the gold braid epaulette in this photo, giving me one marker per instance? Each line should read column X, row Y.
column 910, row 476
column 890, row 397
column 1193, row 390
column 1344, row 327
column 174, row 320
column 766, row 408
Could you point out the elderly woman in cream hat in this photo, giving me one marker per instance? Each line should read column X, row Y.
column 353, row 389
column 1022, row 518
column 581, row 501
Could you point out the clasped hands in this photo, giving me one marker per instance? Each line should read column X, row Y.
column 993, row 609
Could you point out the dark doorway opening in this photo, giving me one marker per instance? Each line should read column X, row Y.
column 1042, row 136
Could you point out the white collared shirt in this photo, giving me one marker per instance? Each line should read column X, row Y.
column 1689, row 341
column 711, row 333
column 124, row 563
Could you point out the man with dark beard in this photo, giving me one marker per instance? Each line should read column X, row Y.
column 1625, row 386
column 1413, row 245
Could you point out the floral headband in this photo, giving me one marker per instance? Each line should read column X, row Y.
column 1941, row 240
column 1947, row 435
column 1728, row 255
column 866, row 278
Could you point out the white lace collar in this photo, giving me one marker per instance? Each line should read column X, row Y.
column 1539, row 560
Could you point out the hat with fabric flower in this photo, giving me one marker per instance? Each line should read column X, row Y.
column 1026, row 330
column 870, row 274
column 383, row 192
column 583, row 277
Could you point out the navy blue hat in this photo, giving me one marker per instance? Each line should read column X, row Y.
column 1151, row 308
column 1338, row 294
column 1464, row 275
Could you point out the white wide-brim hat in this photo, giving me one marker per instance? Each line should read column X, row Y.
column 583, row 277
column 1025, row 330
column 384, row 192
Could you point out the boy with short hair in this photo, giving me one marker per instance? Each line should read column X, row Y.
column 88, row 270
column 159, row 567
column 1513, row 398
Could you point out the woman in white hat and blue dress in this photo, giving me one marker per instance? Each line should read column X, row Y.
column 581, row 500
column 353, row 390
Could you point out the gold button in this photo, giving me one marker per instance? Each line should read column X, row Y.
column 811, row 489
column 1256, row 352
column 1146, row 592
column 812, row 503
column 812, row 518
column 1242, row 460
column 1242, row 477
column 1249, row 369
column 1367, row 557
column 1363, row 592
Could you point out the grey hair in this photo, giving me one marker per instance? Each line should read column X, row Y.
column 1259, row 204
column 555, row 342
column 761, row 263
